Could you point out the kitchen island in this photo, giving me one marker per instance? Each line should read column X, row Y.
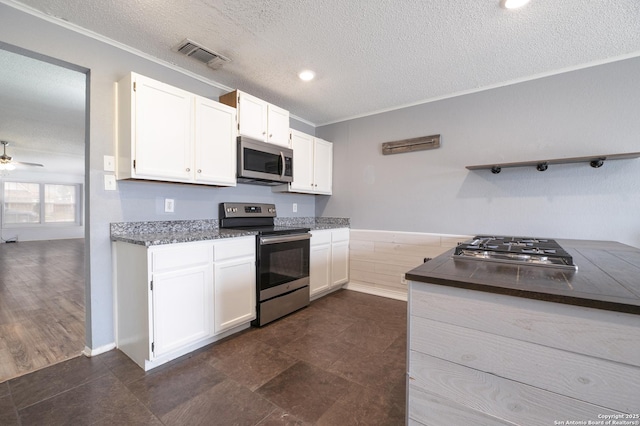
column 496, row 344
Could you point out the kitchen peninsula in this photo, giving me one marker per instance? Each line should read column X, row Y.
column 495, row 344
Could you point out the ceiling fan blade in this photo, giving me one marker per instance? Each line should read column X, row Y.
column 27, row 164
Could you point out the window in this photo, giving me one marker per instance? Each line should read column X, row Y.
column 40, row 203
column 59, row 203
column 21, row 202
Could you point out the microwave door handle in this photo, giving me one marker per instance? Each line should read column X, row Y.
column 283, row 165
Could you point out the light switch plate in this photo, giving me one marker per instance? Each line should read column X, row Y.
column 109, row 163
column 109, row 182
column 169, row 205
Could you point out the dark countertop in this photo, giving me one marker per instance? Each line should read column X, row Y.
column 608, row 276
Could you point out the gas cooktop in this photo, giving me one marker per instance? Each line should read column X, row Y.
column 515, row 250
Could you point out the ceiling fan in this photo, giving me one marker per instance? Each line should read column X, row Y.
column 7, row 164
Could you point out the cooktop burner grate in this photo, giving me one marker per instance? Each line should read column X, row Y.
column 515, row 250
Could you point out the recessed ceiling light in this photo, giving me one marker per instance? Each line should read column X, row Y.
column 513, row 4
column 307, row 75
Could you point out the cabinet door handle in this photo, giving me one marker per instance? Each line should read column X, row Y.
column 270, row 135
column 264, row 133
column 188, row 169
column 199, row 170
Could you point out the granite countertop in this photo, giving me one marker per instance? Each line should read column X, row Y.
column 607, row 277
column 183, row 231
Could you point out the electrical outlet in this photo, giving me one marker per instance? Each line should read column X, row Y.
column 403, row 280
column 295, row 207
column 169, row 205
column 109, row 183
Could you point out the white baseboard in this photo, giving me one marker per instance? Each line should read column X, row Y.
column 97, row 351
column 376, row 291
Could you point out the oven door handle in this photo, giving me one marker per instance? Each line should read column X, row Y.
column 284, row 239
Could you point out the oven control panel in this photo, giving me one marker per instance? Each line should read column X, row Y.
column 232, row 210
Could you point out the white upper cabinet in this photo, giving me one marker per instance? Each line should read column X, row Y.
column 168, row 134
column 215, row 147
column 155, row 132
column 278, row 125
column 258, row 119
column 302, row 145
column 312, row 165
column 322, row 166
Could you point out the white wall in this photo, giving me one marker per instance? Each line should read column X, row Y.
column 133, row 201
column 586, row 112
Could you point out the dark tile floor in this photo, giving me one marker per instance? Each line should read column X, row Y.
column 341, row 361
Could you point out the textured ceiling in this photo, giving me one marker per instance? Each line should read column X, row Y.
column 369, row 55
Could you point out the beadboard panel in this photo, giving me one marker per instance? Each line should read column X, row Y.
column 613, row 336
column 444, row 392
column 594, row 380
column 381, row 278
column 408, row 260
column 429, row 409
column 379, row 259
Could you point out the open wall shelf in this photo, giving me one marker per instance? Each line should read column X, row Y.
column 542, row 165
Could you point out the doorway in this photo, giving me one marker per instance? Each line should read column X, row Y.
column 43, row 197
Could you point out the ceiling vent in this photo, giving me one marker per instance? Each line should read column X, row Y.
column 191, row 48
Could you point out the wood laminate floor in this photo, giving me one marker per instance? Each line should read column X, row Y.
column 42, row 318
column 341, row 361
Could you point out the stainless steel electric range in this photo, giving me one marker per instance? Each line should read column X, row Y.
column 515, row 250
column 282, row 259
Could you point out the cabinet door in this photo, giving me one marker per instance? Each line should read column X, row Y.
column 339, row 263
column 323, row 166
column 302, row 145
column 252, row 117
column 277, row 125
column 163, row 131
column 181, row 307
column 319, row 268
column 215, row 145
column 235, row 293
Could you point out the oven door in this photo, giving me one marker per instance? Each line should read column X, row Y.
column 283, row 264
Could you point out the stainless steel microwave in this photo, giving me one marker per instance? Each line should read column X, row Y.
column 263, row 163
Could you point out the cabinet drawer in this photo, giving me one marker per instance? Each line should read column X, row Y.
column 236, row 247
column 339, row 235
column 320, row 237
column 175, row 256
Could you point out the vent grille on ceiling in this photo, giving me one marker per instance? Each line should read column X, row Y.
column 192, row 49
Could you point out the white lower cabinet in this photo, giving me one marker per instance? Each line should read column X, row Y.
column 181, row 311
column 329, row 260
column 319, row 262
column 339, row 256
column 172, row 299
column 235, row 285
